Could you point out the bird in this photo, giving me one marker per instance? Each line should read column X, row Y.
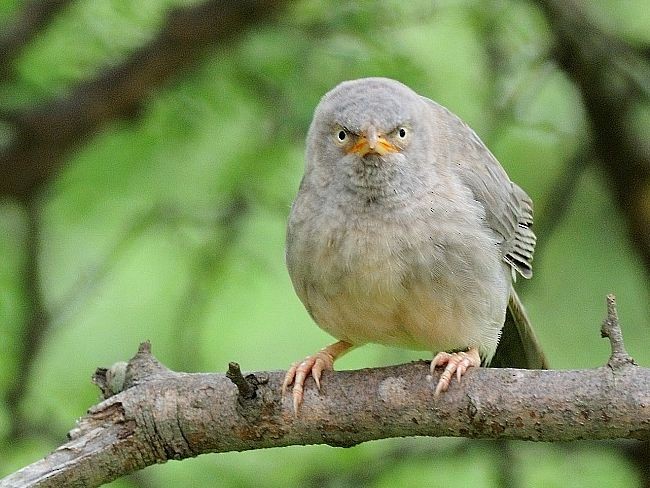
column 406, row 231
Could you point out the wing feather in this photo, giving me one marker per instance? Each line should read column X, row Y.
column 508, row 209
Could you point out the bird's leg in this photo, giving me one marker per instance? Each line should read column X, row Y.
column 456, row 362
column 314, row 365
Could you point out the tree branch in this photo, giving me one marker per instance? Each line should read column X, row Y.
column 153, row 414
column 45, row 134
column 33, row 332
column 613, row 80
column 32, row 19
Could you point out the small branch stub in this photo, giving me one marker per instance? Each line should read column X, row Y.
column 122, row 375
column 247, row 389
column 612, row 330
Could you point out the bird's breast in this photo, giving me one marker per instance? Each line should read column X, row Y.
column 396, row 276
column 365, row 256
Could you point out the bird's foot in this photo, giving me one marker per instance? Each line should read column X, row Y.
column 456, row 362
column 313, row 365
column 300, row 370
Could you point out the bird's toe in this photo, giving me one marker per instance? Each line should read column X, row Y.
column 456, row 362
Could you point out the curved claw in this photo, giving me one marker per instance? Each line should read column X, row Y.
column 457, row 362
column 288, row 378
column 313, row 365
column 299, row 371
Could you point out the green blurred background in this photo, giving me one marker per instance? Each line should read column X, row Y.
column 164, row 219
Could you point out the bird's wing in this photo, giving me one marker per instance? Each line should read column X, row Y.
column 508, row 209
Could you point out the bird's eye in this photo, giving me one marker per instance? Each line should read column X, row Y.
column 341, row 136
column 401, row 132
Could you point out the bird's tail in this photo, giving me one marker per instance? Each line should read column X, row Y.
column 518, row 347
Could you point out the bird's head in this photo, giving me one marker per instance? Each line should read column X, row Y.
column 364, row 131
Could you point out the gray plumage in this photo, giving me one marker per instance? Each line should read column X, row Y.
column 406, row 229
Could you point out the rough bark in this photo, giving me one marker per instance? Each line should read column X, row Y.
column 159, row 414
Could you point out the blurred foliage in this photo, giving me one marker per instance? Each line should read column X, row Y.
column 170, row 226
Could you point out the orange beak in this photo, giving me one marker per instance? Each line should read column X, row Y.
column 372, row 143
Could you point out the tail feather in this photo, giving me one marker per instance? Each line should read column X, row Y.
column 518, row 347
